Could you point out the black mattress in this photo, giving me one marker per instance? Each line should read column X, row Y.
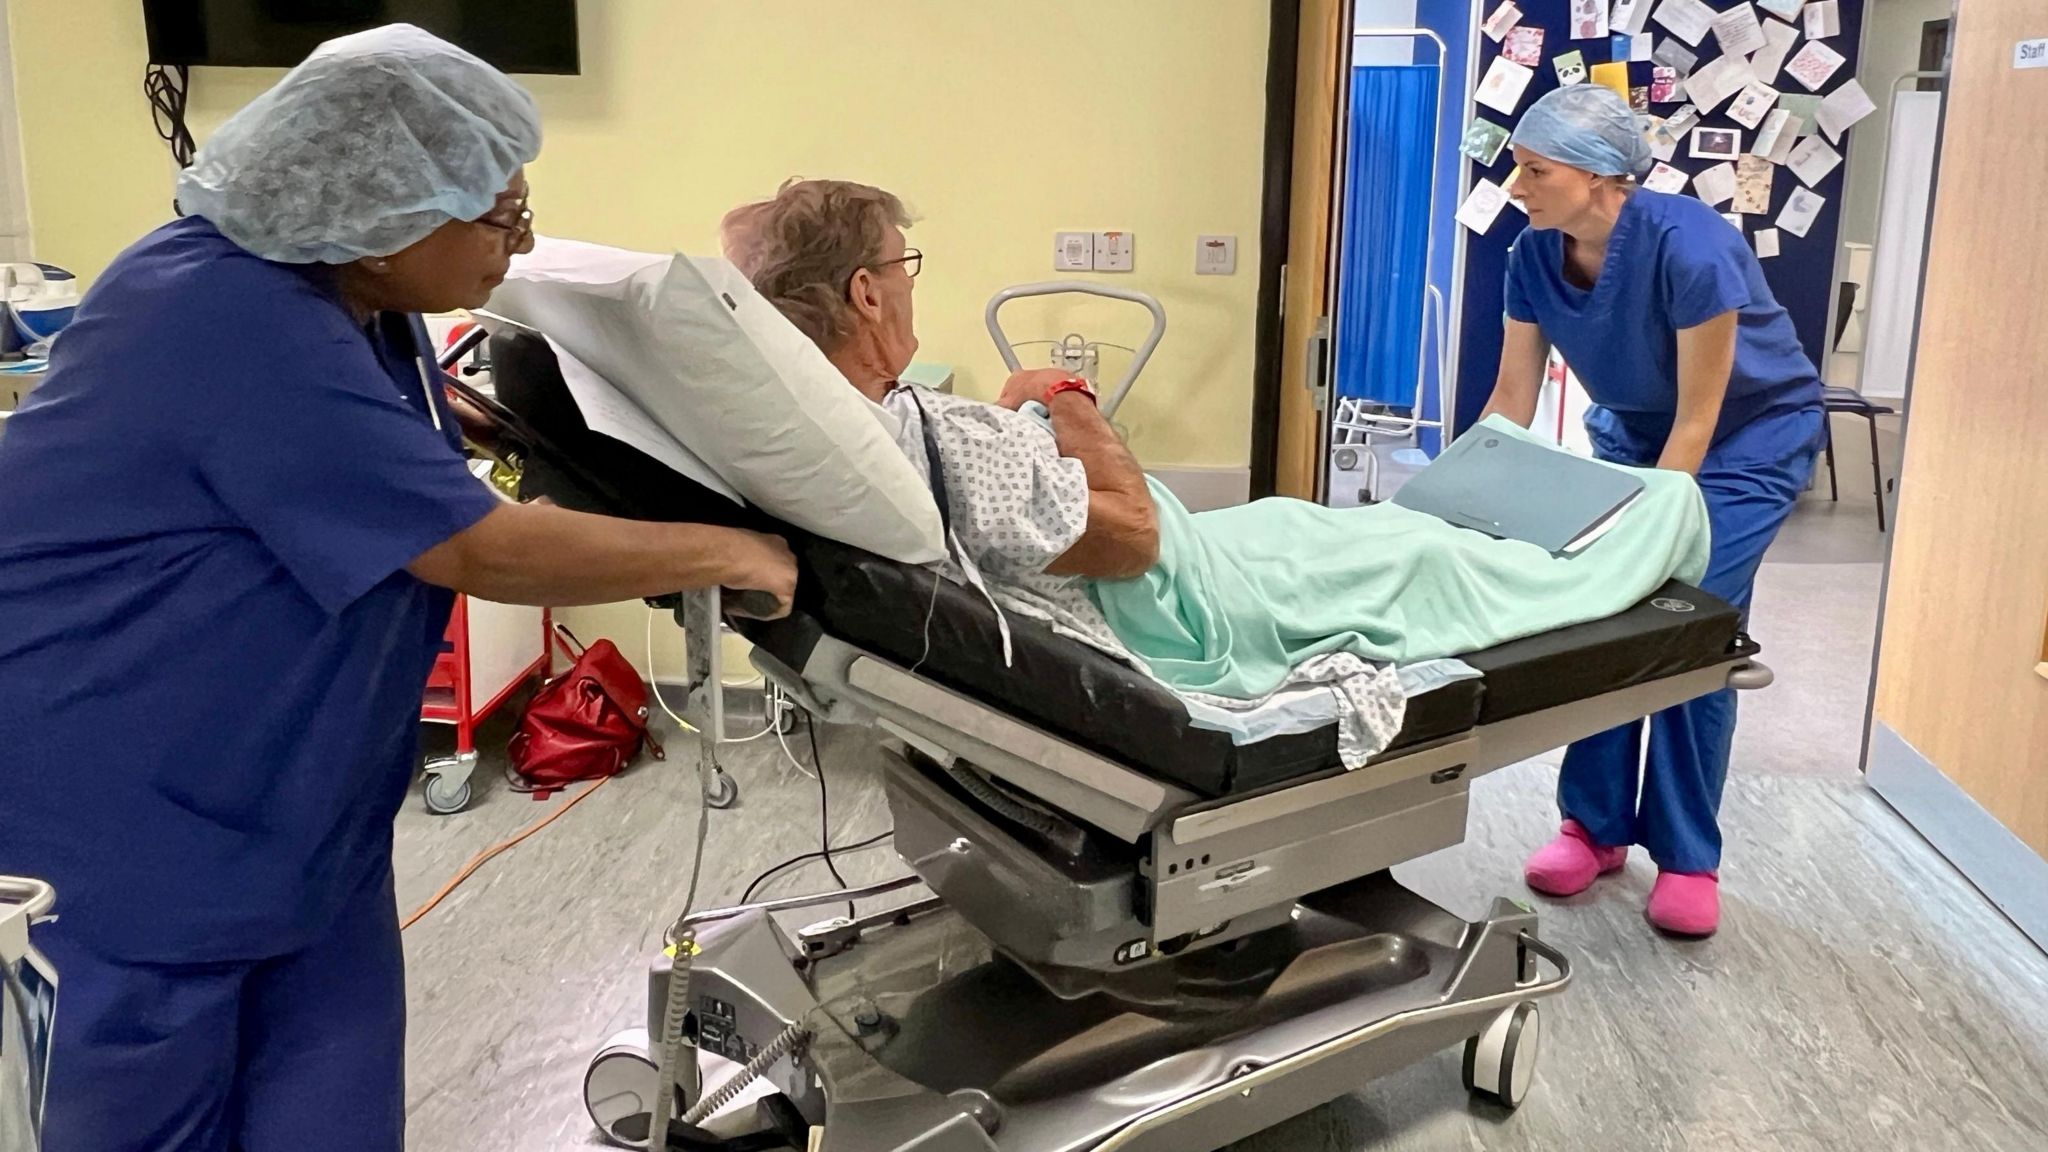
column 1057, row 684
column 1099, row 703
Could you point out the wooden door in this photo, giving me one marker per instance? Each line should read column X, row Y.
column 1962, row 636
column 1325, row 48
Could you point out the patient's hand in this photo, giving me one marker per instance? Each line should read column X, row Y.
column 1031, row 384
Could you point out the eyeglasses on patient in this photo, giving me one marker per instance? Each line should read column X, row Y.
column 912, row 261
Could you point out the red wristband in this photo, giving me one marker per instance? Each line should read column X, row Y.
column 1071, row 384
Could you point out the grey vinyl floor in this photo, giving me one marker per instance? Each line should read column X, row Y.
column 1860, row 995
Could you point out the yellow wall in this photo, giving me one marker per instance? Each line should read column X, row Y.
column 1000, row 122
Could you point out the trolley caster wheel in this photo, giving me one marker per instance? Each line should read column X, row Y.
column 444, row 796
column 618, row 1088
column 1346, row 459
column 724, row 791
column 1500, row 1063
column 785, row 720
column 618, row 1094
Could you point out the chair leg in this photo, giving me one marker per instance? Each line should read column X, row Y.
column 1827, row 420
column 1876, row 469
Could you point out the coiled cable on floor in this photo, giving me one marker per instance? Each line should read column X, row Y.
column 668, row 1046
column 729, row 1091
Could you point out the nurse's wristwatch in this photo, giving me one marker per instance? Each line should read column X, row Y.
column 1072, row 384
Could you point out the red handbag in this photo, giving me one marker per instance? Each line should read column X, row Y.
column 587, row 723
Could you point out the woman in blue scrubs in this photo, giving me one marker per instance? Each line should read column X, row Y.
column 236, row 516
column 1662, row 311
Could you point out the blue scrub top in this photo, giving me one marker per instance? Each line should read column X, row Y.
column 1672, row 263
column 211, row 655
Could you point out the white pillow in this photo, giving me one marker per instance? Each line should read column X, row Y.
column 692, row 343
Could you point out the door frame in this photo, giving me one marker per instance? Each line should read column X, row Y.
column 1277, row 182
column 1308, row 58
column 1309, row 44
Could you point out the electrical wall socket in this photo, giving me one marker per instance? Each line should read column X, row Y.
column 1115, row 251
column 1073, row 251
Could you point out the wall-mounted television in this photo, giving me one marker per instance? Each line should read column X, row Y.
column 514, row 35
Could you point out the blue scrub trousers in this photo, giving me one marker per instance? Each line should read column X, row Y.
column 1750, row 480
column 303, row 1051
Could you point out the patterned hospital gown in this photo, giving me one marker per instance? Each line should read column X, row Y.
column 1017, row 505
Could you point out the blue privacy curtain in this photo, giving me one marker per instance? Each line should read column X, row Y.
column 1384, row 254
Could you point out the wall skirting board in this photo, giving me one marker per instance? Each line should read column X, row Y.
column 2000, row 864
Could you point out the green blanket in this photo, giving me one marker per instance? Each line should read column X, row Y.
column 1242, row 595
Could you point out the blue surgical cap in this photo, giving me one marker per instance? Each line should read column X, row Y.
column 374, row 141
column 1587, row 126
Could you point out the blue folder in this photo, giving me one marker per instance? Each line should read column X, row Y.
column 1515, row 490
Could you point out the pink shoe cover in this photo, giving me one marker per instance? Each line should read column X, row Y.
column 1569, row 864
column 1686, row 903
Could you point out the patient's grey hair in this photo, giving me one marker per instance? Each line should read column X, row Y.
column 802, row 247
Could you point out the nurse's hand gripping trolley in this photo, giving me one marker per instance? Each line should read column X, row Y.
column 28, row 1004
column 1140, row 935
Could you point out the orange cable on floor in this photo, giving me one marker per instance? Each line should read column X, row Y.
column 484, row 857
